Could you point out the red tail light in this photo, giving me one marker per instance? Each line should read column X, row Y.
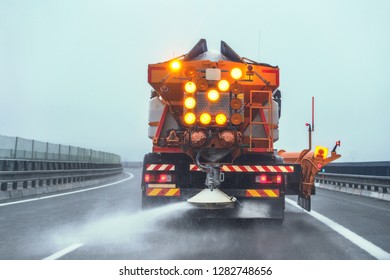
column 269, row 179
column 279, row 179
column 164, row 178
column 158, row 178
column 264, row 179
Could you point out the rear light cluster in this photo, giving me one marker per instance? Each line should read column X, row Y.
column 269, row 179
column 158, row 178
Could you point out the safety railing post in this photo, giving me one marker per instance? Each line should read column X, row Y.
column 32, row 149
column 16, row 146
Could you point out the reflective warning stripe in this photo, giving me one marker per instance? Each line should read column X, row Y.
column 172, row 192
column 153, row 192
column 258, row 168
column 252, row 168
column 272, row 193
column 162, row 192
column 160, row 167
column 286, row 169
column 262, row 193
column 252, row 193
column 193, row 167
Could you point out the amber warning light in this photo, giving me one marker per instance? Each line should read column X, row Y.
column 175, row 65
column 321, row 152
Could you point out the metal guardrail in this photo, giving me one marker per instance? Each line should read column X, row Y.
column 365, row 185
column 371, row 168
column 370, row 183
column 32, row 167
column 14, row 180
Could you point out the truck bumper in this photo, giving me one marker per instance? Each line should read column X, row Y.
column 244, row 208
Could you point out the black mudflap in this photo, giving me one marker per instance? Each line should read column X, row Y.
column 304, row 202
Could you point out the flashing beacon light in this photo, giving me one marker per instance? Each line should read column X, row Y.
column 190, row 103
column 213, row 95
column 220, row 119
column 205, row 118
column 236, row 73
column 175, row 65
column 189, row 118
column 223, row 85
column 190, row 87
column 320, row 152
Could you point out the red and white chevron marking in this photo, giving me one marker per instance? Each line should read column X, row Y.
column 193, row 167
column 252, row 168
column 160, row 167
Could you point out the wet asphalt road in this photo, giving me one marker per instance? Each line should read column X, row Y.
column 106, row 223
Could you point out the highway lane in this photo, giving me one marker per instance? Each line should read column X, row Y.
column 107, row 223
column 33, row 230
column 369, row 218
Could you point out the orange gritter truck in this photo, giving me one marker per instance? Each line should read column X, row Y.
column 213, row 122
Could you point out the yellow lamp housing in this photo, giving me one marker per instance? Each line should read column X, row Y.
column 320, row 152
column 223, row 85
column 190, row 72
column 189, row 118
column 202, row 84
column 213, row 95
column 190, row 87
column 236, row 103
column 236, row 119
column 205, row 118
column 175, row 65
column 220, row 119
column 236, row 88
column 190, row 103
column 236, row 73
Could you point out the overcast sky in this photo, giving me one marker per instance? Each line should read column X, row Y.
column 75, row 72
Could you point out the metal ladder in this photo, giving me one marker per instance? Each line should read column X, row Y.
column 265, row 142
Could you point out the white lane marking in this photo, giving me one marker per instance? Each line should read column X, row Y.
column 68, row 193
column 63, row 252
column 364, row 244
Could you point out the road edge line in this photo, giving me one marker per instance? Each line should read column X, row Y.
column 359, row 241
column 63, row 252
column 69, row 193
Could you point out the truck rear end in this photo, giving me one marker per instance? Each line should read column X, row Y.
column 213, row 123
